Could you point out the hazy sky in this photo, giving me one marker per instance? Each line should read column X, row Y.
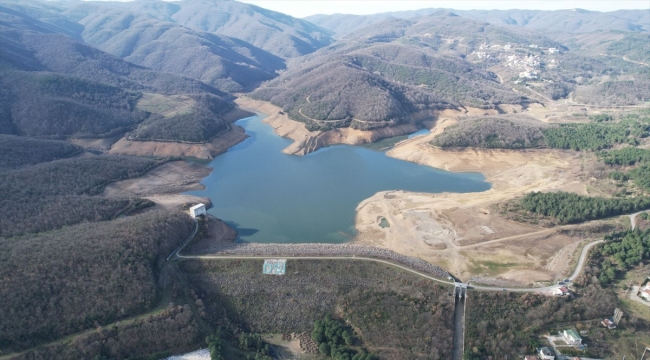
column 302, row 8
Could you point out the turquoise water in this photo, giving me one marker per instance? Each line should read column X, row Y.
column 271, row 197
column 420, row 132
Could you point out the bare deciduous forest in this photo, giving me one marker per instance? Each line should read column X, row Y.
column 492, row 133
column 50, row 195
column 21, row 151
column 65, row 281
column 385, row 304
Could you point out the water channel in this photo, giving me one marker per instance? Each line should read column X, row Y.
column 271, row 197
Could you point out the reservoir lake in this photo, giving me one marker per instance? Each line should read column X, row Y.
column 272, row 197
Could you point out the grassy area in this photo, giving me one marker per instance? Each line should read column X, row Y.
column 385, row 143
column 490, row 267
column 166, row 105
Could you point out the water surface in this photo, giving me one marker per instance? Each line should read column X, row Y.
column 268, row 196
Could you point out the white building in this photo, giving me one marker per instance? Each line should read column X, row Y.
column 561, row 291
column 532, row 74
column 198, row 210
column 553, row 50
column 571, row 337
column 507, row 47
column 546, row 354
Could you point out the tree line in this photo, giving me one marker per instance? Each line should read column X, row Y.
column 503, row 133
column 335, row 340
column 491, row 133
column 570, row 208
column 621, row 252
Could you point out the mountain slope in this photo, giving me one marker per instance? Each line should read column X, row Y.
column 560, row 21
column 388, row 71
column 277, row 33
column 52, row 85
column 226, row 63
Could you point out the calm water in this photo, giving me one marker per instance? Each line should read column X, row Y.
column 268, row 196
column 420, row 132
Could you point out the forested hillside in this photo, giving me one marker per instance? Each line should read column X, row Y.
column 227, row 63
column 57, row 87
column 54, row 194
column 493, row 133
column 516, row 132
column 394, row 69
column 259, row 28
column 19, row 151
column 82, row 276
column 601, row 59
column 272, row 31
column 33, row 45
column 46, row 104
column 202, row 122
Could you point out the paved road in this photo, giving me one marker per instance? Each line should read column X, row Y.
column 174, row 254
column 585, row 251
column 459, row 328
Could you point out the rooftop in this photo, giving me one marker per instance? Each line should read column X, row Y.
column 197, row 206
column 573, row 334
column 546, row 351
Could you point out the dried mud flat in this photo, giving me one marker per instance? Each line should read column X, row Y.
column 209, row 150
column 460, row 232
column 164, row 185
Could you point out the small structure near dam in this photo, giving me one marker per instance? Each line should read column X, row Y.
column 274, row 266
column 197, row 210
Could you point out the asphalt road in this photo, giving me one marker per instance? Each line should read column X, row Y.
column 459, row 328
column 583, row 256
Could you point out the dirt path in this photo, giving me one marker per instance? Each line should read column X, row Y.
column 625, row 58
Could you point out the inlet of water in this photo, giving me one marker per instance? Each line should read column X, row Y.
column 271, row 197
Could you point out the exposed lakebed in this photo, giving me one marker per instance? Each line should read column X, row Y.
column 272, row 197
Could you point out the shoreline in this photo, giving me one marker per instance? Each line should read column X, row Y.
column 435, row 228
column 305, row 141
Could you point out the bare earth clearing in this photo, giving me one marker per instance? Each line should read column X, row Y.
column 460, row 232
column 209, row 150
column 164, row 185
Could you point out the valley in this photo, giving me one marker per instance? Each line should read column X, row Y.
column 430, row 184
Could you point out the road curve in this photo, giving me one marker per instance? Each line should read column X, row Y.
column 576, row 272
column 174, row 253
column 633, row 218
